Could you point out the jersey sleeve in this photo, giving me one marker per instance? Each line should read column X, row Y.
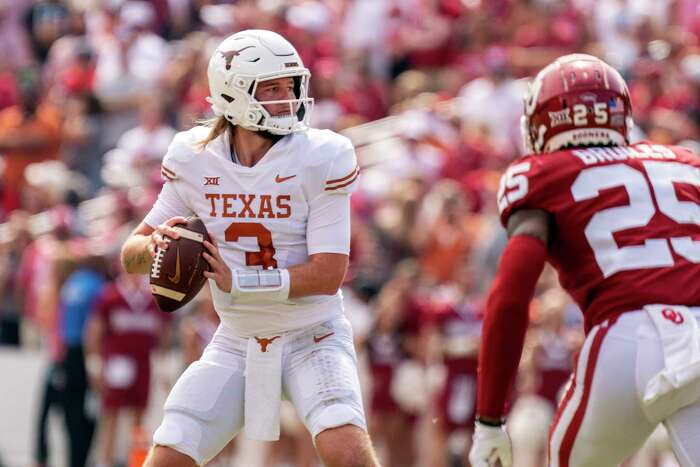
column 525, row 185
column 344, row 172
column 171, row 201
column 328, row 224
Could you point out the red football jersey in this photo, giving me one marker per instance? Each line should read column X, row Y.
column 626, row 230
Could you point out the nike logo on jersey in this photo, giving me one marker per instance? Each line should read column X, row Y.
column 279, row 179
column 176, row 278
column 318, row 339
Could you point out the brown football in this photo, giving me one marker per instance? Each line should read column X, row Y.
column 177, row 273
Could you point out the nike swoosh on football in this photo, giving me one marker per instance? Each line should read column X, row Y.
column 176, row 278
column 279, row 179
column 320, row 338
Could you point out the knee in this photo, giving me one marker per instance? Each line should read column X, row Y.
column 345, row 446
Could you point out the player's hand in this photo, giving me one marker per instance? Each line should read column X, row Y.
column 490, row 444
column 220, row 272
column 157, row 239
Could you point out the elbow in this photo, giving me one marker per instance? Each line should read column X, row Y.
column 332, row 286
column 330, row 290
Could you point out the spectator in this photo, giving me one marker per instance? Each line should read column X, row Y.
column 125, row 329
column 29, row 132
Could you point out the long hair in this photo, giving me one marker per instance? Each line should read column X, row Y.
column 217, row 125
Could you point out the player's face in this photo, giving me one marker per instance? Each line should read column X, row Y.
column 276, row 90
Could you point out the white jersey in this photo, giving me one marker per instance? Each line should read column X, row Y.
column 293, row 203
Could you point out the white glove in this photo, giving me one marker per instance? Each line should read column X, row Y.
column 490, row 444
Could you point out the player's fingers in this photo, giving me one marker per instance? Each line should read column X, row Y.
column 168, row 231
column 161, row 242
column 157, row 240
column 214, row 250
column 176, row 220
column 213, row 262
column 151, row 249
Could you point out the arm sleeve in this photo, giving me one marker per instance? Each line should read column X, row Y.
column 169, row 204
column 506, row 321
column 328, row 225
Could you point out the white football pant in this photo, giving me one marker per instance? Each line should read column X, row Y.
column 205, row 408
column 601, row 420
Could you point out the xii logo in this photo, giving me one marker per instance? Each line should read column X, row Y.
column 211, row 180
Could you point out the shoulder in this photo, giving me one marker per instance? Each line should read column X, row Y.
column 182, row 150
column 322, row 146
column 535, row 181
column 330, row 158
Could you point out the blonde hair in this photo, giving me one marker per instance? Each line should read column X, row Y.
column 217, row 125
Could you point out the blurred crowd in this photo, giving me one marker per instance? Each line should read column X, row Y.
column 430, row 92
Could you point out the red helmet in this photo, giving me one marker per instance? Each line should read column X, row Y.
column 578, row 100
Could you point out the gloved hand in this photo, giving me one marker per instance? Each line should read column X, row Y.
column 490, row 444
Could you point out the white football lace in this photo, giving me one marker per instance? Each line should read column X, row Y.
column 157, row 261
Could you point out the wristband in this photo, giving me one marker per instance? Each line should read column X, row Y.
column 255, row 284
column 492, row 423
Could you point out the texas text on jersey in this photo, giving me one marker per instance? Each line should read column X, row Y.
column 625, row 218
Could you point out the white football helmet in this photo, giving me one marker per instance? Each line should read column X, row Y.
column 237, row 67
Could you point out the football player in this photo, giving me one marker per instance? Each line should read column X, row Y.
column 275, row 198
column 619, row 223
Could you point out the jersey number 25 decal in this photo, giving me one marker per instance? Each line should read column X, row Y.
column 266, row 256
column 516, row 182
column 654, row 252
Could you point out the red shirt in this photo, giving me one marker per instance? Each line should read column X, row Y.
column 625, row 223
column 459, row 325
column 133, row 325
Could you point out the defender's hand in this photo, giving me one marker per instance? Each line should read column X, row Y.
column 157, row 239
column 490, row 444
column 220, row 272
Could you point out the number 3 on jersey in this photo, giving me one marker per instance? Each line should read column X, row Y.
column 655, row 252
column 266, row 256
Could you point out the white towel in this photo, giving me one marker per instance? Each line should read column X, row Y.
column 263, row 388
column 678, row 383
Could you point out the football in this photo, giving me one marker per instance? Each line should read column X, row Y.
column 177, row 273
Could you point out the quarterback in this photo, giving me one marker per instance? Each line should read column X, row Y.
column 620, row 223
column 274, row 195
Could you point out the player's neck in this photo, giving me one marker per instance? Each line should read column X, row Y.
column 249, row 146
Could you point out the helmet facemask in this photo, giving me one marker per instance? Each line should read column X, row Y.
column 297, row 117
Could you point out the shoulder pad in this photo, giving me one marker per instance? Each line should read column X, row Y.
column 182, row 149
column 343, row 172
column 329, row 162
column 537, row 182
